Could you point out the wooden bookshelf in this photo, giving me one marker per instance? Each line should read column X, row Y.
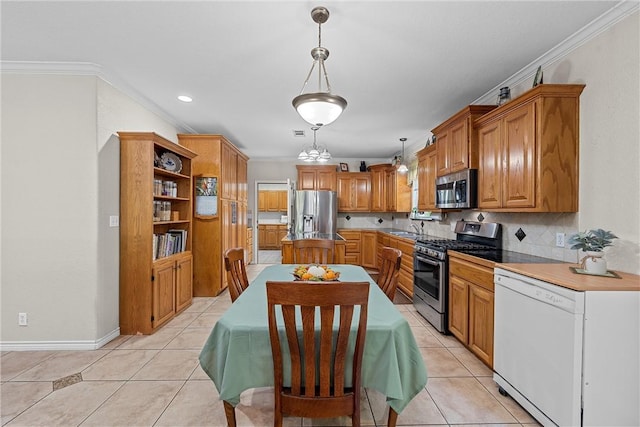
column 156, row 267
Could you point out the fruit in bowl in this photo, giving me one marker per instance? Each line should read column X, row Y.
column 315, row 273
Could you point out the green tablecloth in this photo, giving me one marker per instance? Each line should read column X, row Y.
column 237, row 354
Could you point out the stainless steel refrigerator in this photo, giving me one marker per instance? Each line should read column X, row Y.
column 314, row 212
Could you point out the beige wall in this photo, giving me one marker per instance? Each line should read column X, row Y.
column 60, row 184
column 609, row 66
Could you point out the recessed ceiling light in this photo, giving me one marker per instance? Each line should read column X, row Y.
column 185, row 98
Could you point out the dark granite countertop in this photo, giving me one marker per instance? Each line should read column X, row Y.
column 509, row 257
column 327, row 236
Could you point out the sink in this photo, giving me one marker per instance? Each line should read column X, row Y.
column 406, row 234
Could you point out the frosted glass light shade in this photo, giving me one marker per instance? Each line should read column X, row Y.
column 319, row 109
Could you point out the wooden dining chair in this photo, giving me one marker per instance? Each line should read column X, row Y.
column 318, row 388
column 313, row 251
column 236, row 272
column 389, row 271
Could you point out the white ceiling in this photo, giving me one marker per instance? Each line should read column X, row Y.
column 403, row 66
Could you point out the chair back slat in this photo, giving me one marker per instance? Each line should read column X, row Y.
column 313, row 251
column 317, row 356
column 389, row 271
column 236, row 272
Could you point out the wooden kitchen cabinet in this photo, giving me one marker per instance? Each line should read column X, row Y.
column 262, row 201
column 354, row 191
column 389, row 189
column 153, row 285
column 172, row 288
column 218, row 157
column 272, row 201
column 378, row 180
column 529, row 152
column 471, row 304
column 368, row 245
column 317, row 177
column 249, row 253
column 361, row 247
column 427, row 179
column 456, row 140
column 352, row 245
column 270, row 236
column 406, row 246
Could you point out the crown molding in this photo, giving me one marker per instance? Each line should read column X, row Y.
column 562, row 49
column 91, row 69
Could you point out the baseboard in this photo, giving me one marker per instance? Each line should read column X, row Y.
column 59, row 345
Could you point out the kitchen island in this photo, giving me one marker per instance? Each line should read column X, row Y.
column 287, row 245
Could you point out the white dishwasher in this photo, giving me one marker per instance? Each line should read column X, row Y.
column 538, row 345
column 569, row 358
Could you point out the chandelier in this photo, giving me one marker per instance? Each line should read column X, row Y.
column 403, row 166
column 315, row 153
column 322, row 107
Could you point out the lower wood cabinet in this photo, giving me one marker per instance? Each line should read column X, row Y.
column 249, row 254
column 368, row 246
column 406, row 246
column 171, row 287
column 471, row 302
column 352, row 246
column 270, row 236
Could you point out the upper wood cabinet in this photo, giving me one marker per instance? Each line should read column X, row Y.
column 529, row 152
column 317, row 177
column 378, row 180
column 456, row 142
column 427, row 178
column 389, row 189
column 218, row 157
column 354, row 191
column 155, row 279
column 272, row 201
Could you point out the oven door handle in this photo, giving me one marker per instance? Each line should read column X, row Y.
column 430, row 261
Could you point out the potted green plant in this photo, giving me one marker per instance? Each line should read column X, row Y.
column 593, row 242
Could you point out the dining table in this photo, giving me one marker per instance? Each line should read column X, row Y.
column 237, row 354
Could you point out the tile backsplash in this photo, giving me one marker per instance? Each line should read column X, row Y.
column 540, row 229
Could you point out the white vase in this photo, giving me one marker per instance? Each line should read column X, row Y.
column 594, row 263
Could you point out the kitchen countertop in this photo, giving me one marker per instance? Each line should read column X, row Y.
column 300, row 236
column 560, row 274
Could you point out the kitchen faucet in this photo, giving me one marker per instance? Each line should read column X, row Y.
column 415, row 227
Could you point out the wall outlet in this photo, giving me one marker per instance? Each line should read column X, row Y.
column 560, row 240
column 22, row 319
column 453, row 226
column 114, row 221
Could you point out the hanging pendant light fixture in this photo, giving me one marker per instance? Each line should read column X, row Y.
column 403, row 166
column 322, row 107
column 315, row 153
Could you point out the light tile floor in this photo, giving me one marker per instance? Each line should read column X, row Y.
column 156, row 381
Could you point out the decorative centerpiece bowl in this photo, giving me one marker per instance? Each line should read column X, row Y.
column 315, row 273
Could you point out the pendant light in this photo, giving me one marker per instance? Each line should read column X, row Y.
column 315, row 153
column 403, row 166
column 322, row 107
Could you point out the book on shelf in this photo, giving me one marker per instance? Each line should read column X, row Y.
column 169, row 243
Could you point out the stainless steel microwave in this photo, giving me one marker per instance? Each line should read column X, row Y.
column 457, row 190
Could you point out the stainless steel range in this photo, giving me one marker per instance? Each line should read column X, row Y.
column 430, row 271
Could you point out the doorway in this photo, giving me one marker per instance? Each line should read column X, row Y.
column 271, row 219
